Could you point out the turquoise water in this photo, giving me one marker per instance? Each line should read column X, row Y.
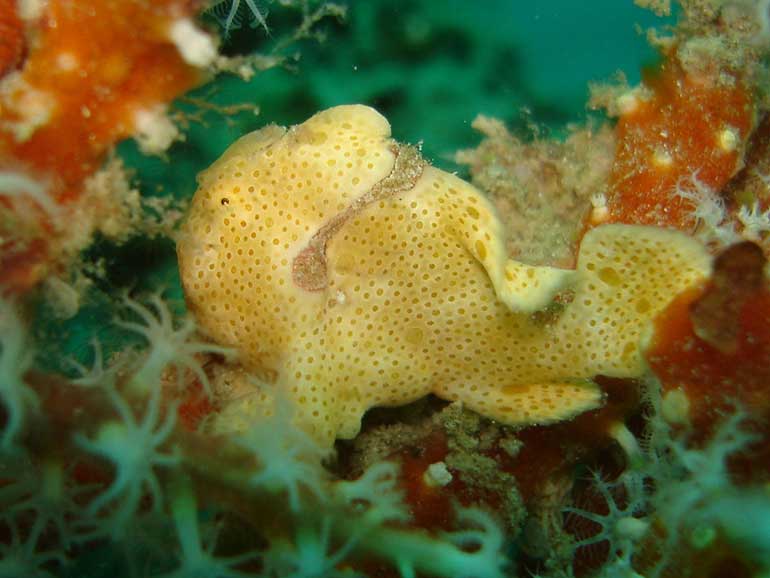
column 430, row 67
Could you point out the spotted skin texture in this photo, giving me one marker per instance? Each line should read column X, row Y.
column 349, row 273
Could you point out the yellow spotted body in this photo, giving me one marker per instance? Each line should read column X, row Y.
column 351, row 274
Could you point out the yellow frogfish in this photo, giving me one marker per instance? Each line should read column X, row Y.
column 350, row 273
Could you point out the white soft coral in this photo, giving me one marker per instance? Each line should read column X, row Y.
column 623, row 524
column 678, row 487
column 289, row 459
column 134, row 448
column 169, row 345
column 231, row 18
column 311, row 555
column 756, row 223
column 196, row 558
column 714, row 225
column 717, row 225
column 24, row 557
column 375, row 496
column 16, row 356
